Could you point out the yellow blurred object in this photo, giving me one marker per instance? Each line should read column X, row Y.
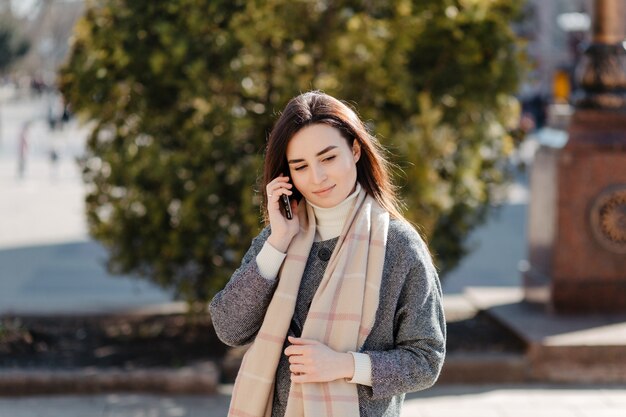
column 561, row 86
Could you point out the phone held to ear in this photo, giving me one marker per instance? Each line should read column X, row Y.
column 284, row 199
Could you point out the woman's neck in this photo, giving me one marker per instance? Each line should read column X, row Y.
column 330, row 221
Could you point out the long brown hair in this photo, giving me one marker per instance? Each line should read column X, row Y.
column 313, row 107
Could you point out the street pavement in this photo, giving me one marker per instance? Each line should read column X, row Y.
column 439, row 401
column 49, row 265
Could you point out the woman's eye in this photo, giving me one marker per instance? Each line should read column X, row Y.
column 300, row 168
column 329, row 158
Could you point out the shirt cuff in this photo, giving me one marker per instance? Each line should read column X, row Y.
column 362, row 369
column 269, row 261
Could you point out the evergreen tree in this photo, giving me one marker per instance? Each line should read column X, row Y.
column 183, row 93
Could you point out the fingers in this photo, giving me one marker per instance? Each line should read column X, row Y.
column 293, row 350
column 312, row 361
column 302, row 341
column 297, row 368
column 277, row 187
column 302, row 374
column 298, row 346
column 302, row 360
column 299, row 373
column 299, row 378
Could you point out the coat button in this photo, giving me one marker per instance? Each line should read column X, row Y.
column 324, row 254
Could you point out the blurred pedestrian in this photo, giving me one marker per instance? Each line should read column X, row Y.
column 338, row 294
column 58, row 112
column 67, row 114
column 54, row 158
column 22, row 149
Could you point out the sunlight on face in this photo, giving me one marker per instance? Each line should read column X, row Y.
column 322, row 165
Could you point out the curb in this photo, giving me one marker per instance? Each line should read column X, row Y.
column 200, row 379
column 485, row 368
column 203, row 378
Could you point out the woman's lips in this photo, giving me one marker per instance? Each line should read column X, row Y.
column 324, row 191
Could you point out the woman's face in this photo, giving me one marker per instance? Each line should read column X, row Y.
column 322, row 165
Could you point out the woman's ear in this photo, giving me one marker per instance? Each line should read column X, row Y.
column 356, row 150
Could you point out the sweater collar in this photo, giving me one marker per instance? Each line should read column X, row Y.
column 329, row 221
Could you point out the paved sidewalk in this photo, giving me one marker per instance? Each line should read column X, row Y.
column 440, row 401
column 48, row 263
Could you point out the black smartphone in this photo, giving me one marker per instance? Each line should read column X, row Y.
column 284, row 199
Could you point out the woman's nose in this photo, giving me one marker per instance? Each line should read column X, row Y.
column 319, row 175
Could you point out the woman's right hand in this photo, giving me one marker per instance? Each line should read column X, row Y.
column 283, row 229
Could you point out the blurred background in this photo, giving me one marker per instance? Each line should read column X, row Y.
column 40, row 139
column 131, row 142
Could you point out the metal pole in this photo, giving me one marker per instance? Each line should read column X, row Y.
column 608, row 24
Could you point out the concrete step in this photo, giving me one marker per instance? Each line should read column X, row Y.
column 199, row 379
column 484, row 368
column 582, row 348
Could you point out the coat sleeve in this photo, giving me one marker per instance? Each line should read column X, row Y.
column 419, row 336
column 237, row 311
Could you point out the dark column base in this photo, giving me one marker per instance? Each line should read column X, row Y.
column 591, row 296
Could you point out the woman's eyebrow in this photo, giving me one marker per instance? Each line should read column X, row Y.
column 323, row 151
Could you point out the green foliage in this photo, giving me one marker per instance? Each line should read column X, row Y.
column 182, row 94
column 12, row 45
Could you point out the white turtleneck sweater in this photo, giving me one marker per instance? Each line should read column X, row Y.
column 329, row 223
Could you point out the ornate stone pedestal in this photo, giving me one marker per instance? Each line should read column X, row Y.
column 577, row 217
column 577, row 232
column 589, row 270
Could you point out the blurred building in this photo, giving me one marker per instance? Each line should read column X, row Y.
column 556, row 32
column 48, row 25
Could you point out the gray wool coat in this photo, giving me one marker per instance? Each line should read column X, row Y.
column 406, row 345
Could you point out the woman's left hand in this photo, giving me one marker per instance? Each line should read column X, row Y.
column 313, row 361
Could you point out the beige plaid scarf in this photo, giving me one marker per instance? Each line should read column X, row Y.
column 341, row 316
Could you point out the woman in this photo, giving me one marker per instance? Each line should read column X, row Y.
column 342, row 301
